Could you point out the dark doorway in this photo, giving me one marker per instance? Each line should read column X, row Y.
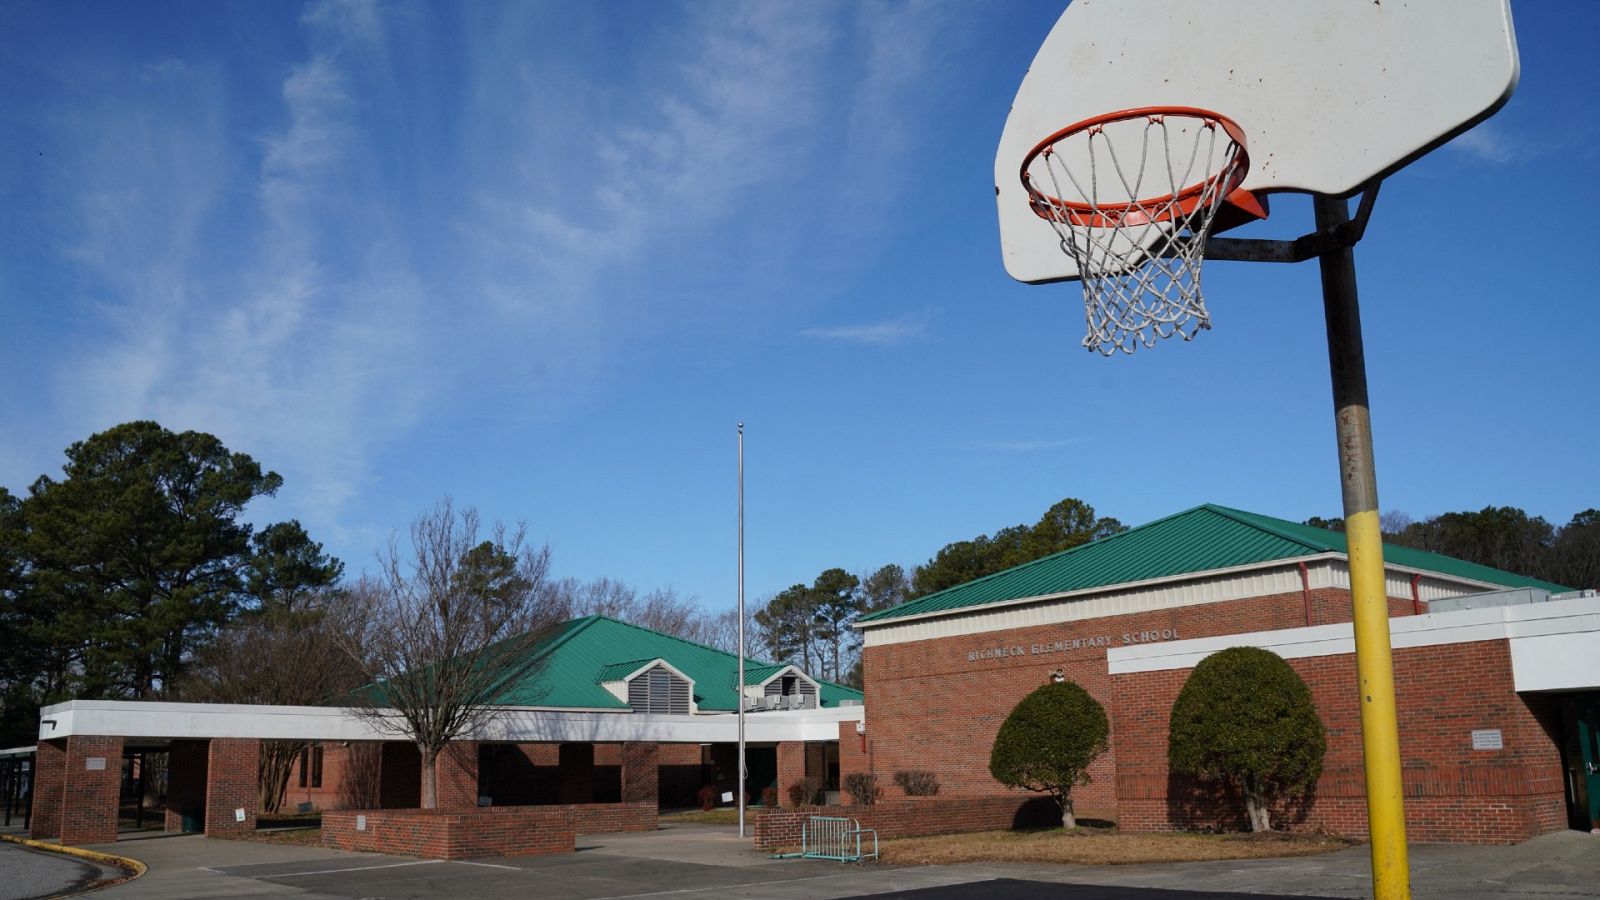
column 1580, row 753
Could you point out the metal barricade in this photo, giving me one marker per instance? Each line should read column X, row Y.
column 836, row 838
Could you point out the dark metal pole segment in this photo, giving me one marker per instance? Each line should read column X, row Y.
column 1380, row 735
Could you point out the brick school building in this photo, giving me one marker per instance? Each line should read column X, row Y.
column 1497, row 694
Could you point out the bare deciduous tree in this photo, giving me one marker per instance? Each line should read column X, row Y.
column 281, row 657
column 445, row 632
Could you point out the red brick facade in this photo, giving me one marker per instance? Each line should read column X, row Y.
column 641, row 772
column 232, row 768
column 84, row 810
column 49, row 774
column 936, row 704
column 1452, row 792
column 791, row 767
column 456, row 775
column 186, row 786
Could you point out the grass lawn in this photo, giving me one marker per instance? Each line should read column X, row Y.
column 727, row 815
column 1101, row 847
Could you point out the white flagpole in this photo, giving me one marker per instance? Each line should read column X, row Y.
column 739, row 693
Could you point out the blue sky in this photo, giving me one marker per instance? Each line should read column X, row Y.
column 543, row 257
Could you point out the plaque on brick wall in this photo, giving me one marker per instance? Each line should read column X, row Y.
column 1487, row 739
column 361, row 823
column 95, row 764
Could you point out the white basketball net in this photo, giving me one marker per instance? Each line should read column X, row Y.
column 1139, row 259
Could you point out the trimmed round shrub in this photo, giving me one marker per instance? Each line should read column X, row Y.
column 1048, row 741
column 1245, row 720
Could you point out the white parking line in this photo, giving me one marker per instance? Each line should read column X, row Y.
column 420, row 862
column 724, row 887
column 488, row 865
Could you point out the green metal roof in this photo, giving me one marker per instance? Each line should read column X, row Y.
column 621, row 670
column 758, row 674
column 1201, row 539
column 584, row 652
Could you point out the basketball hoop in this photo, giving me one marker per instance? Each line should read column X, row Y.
column 1132, row 195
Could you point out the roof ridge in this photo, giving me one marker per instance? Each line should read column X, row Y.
column 1251, row 520
column 1040, row 560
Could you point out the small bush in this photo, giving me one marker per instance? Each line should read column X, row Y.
column 917, row 783
column 707, row 797
column 769, row 797
column 862, row 788
column 806, row 792
column 1246, row 719
column 1048, row 741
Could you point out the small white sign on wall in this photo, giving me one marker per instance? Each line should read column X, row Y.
column 361, row 823
column 95, row 764
column 238, row 815
column 1487, row 739
column 727, row 796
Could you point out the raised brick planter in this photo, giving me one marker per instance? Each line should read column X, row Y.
column 915, row 818
column 609, row 818
column 452, row 833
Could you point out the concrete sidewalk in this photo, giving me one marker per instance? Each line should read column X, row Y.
column 713, row 863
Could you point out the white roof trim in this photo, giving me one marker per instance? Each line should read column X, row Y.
column 791, row 667
column 1551, row 643
column 651, row 665
column 185, row 721
column 1289, row 562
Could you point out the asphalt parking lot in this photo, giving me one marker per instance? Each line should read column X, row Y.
column 704, row 862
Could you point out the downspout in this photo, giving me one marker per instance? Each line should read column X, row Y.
column 1305, row 591
column 1416, row 594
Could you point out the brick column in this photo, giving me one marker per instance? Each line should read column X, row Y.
column 232, row 769
column 641, row 773
column 575, row 774
column 455, row 774
column 49, row 770
column 91, row 788
column 186, row 785
column 852, row 758
column 791, row 767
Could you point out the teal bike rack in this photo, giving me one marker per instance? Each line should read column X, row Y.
column 835, row 838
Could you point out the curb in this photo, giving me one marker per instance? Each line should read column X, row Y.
column 132, row 866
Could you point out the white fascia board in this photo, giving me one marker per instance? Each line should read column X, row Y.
column 1553, row 641
column 1169, row 580
column 1119, row 587
column 177, row 721
column 180, row 721
column 10, row 752
column 545, row 725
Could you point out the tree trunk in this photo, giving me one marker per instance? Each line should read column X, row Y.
column 1068, row 818
column 430, row 798
column 277, row 763
column 1256, row 805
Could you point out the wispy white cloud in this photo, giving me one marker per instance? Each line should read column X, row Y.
column 887, row 333
column 1488, row 143
column 289, row 339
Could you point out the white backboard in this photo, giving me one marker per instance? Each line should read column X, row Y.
column 1330, row 93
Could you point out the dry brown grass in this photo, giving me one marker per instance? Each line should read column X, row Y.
column 299, row 837
column 1100, row 847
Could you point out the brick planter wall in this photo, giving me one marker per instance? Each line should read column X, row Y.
column 609, row 818
column 452, row 833
column 915, row 818
column 1452, row 792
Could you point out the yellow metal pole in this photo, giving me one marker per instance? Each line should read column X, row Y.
column 1380, row 732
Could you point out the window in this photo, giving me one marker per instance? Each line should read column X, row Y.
column 311, row 763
